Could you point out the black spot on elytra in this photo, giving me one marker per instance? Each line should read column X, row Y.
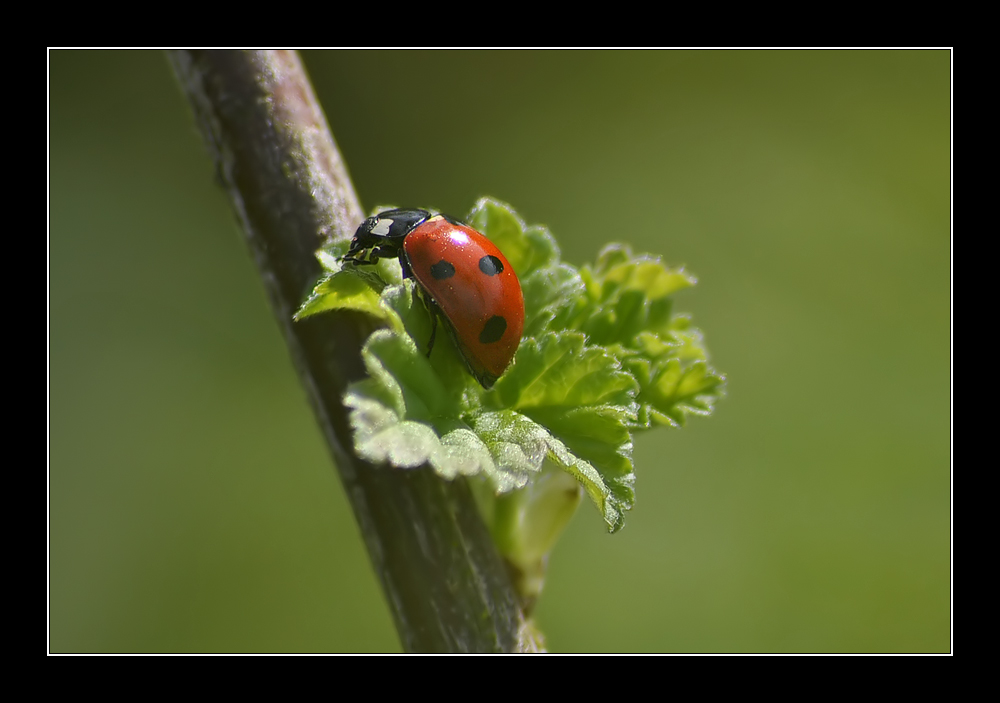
column 493, row 330
column 490, row 265
column 442, row 270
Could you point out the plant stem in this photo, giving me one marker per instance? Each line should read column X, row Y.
column 444, row 582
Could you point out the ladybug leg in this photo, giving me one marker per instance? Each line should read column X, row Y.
column 432, row 309
column 434, row 328
column 383, row 253
column 367, row 257
column 358, row 258
column 404, row 266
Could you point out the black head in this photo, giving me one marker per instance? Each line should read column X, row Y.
column 385, row 232
column 390, row 225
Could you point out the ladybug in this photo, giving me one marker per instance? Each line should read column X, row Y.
column 460, row 273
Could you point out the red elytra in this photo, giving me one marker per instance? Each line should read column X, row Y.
column 462, row 273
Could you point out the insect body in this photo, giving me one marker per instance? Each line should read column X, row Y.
column 462, row 275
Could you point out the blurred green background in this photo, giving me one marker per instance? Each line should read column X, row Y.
column 193, row 506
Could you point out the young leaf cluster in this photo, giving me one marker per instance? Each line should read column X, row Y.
column 603, row 355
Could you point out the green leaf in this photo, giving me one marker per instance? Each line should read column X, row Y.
column 380, row 436
column 560, row 369
column 586, row 400
column 520, row 446
column 550, row 293
column 617, row 267
column 627, row 307
column 671, row 390
column 603, row 354
column 628, row 295
column 526, row 248
column 403, row 415
column 517, row 445
column 343, row 290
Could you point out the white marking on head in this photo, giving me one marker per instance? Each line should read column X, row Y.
column 382, row 227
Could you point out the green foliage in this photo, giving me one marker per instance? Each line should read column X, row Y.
column 603, row 356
